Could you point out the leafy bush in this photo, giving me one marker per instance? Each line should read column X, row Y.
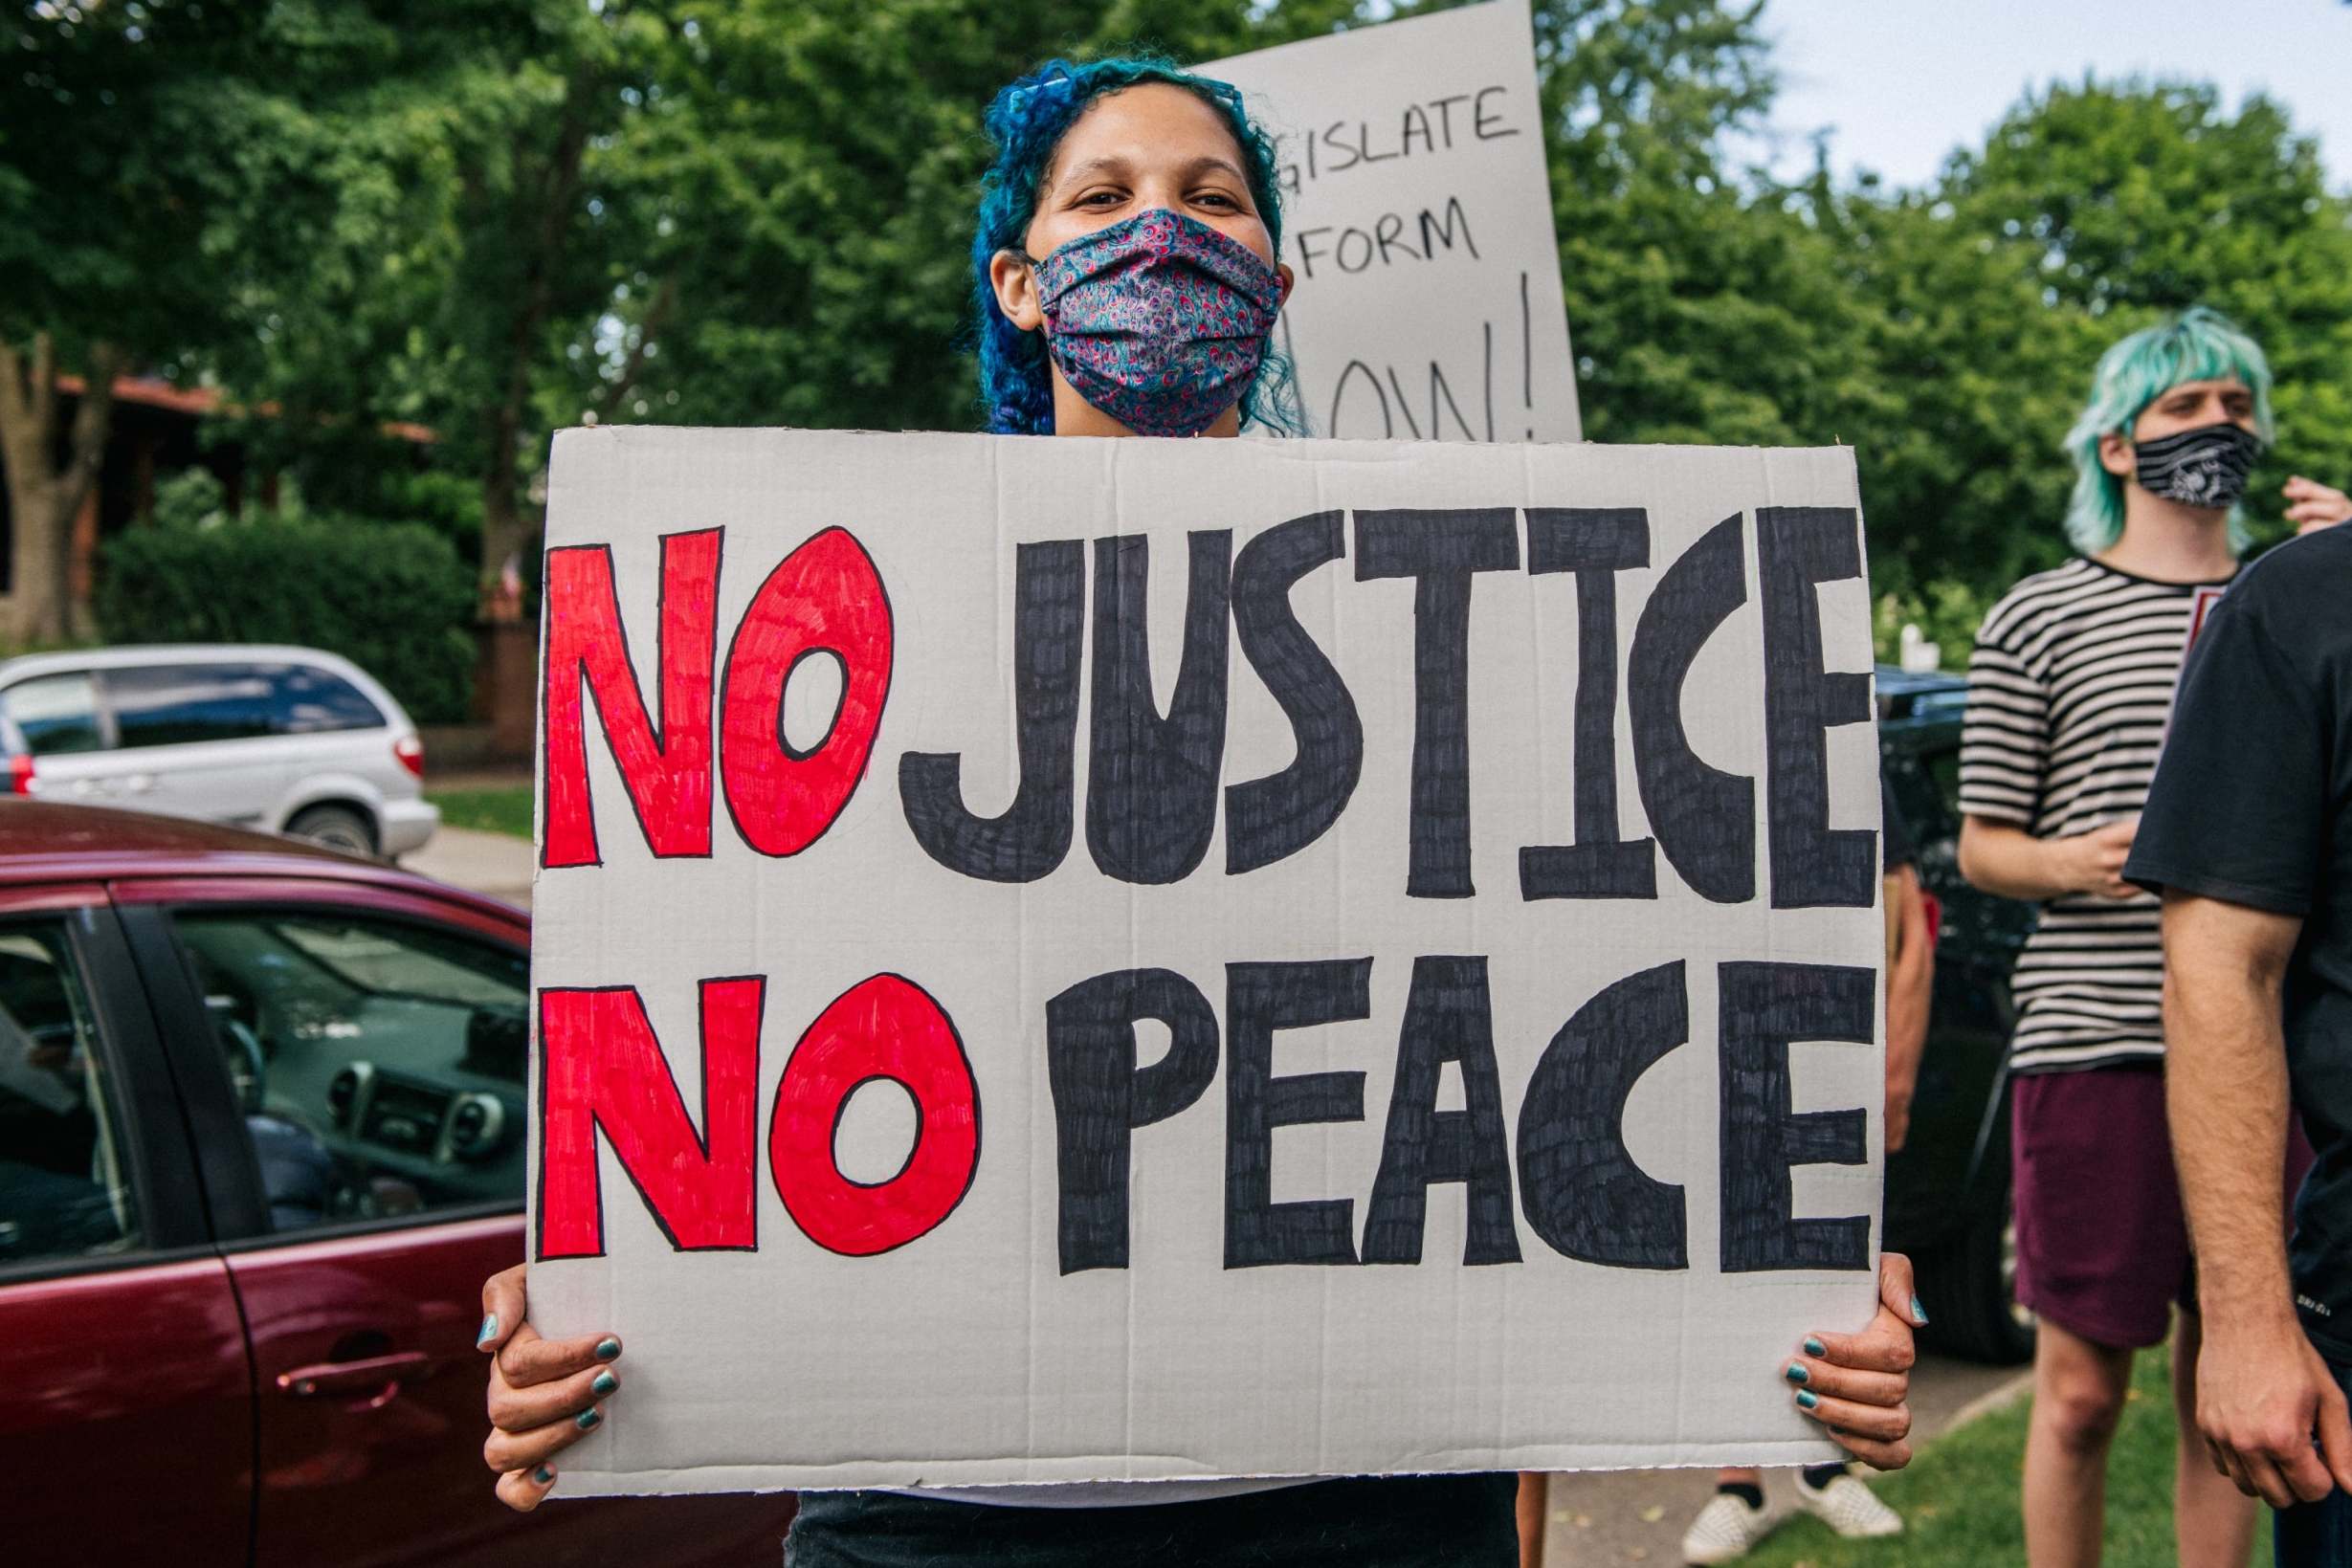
column 392, row 598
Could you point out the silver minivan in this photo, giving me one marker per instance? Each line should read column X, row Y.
column 289, row 740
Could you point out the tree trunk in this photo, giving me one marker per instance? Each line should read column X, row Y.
column 503, row 520
column 44, row 497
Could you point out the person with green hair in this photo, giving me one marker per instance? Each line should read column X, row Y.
column 2068, row 695
column 1125, row 281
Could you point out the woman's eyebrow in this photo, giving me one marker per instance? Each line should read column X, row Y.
column 1211, row 161
column 1116, row 168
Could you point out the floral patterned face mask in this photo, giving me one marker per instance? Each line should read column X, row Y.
column 1160, row 320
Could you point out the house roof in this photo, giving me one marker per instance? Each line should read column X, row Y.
column 197, row 401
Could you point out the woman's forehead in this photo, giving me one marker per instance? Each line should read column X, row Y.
column 1150, row 126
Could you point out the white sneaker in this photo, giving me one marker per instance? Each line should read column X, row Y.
column 1725, row 1529
column 1850, row 1508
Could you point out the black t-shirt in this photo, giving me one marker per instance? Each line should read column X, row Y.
column 2252, row 805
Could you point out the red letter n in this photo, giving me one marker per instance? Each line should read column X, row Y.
column 667, row 771
column 601, row 1070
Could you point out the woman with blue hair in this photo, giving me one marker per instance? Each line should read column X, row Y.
column 2069, row 692
column 1152, row 310
column 1126, row 282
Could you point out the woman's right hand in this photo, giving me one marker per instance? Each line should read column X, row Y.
column 545, row 1395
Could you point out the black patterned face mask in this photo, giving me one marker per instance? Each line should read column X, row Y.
column 2203, row 467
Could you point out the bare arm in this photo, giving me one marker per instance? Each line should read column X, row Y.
column 2261, row 1388
column 1910, row 980
column 2011, row 862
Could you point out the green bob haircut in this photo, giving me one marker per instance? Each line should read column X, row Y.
column 2198, row 344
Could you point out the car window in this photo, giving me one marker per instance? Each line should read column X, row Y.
column 63, row 1191
column 56, row 714
column 379, row 1063
column 305, row 701
column 176, row 704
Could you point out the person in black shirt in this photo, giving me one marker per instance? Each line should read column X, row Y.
column 2247, row 835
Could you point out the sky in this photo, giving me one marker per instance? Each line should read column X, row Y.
column 1901, row 82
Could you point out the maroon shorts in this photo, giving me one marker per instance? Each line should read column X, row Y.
column 2103, row 1246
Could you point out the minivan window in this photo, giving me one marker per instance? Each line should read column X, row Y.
column 307, row 700
column 177, row 704
column 56, row 714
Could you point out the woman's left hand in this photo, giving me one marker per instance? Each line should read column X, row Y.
column 1859, row 1385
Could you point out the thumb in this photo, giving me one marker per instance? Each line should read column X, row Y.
column 1897, row 1289
column 504, row 1309
column 2334, row 1434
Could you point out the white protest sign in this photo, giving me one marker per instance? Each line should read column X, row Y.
column 1417, row 215
column 1065, row 959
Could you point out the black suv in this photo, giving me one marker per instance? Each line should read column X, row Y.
column 1948, row 1190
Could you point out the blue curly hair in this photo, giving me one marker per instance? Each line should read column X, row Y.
column 1026, row 122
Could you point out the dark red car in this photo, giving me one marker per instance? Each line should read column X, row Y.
column 261, row 1139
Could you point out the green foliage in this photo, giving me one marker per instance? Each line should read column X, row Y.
column 529, row 213
column 164, row 163
column 504, row 808
column 391, row 597
column 1946, row 612
column 2118, row 201
column 190, row 498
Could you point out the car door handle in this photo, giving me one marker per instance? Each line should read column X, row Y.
column 377, row 1371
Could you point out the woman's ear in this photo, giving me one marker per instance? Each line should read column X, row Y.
column 2115, row 455
column 1015, row 282
column 1290, row 280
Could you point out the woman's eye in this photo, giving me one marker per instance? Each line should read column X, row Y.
column 1217, row 198
column 1099, row 198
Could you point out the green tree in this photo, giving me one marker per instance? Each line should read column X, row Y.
column 2116, row 201
column 656, row 210
column 161, row 164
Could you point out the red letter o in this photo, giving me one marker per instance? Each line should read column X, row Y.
column 883, row 1028
column 824, row 595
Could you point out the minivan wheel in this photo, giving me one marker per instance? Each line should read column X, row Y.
column 1969, row 1289
column 336, row 826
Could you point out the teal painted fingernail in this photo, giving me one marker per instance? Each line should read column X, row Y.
column 610, row 1350
column 1806, row 1398
column 490, row 1331
column 1815, row 1348
column 544, row 1476
column 1796, row 1373
column 606, row 1382
column 1918, row 1314
column 590, row 1419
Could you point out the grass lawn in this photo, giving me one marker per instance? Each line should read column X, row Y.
column 506, row 811
column 1958, row 1499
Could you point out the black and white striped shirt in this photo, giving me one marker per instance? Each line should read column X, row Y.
column 2068, row 693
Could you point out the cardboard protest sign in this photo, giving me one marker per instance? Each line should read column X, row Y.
column 1064, row 960
column 1417, row 215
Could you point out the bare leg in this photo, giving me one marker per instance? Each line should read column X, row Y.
column 1533, row 1500
column 2078, row 1390
column 1739, row 1478
column 2213, row 1520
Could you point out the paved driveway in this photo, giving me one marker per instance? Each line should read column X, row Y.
column 490, row 863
